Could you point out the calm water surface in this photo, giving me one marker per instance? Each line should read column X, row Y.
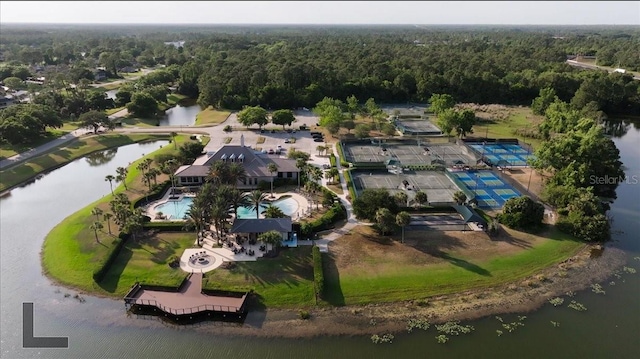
column 100, row 328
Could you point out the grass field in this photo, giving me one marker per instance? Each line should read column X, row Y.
column 71, row 253
column 365, row 268
column 76, row 149
column 211, row 116
column 514, row 118
column 285, row 281
column 146, row 260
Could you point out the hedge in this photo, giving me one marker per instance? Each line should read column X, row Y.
column 425, row 167
column 173, row 226
column 336, row 213
column 99, row 273
column 332, row 160
column 350, row 186
column 155, row 194
column 369, row 165
column 318, row 274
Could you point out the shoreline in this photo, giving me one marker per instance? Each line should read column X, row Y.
column 523, row 296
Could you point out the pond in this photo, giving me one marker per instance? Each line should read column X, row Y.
column 180, row 116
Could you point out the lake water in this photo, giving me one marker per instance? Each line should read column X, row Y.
column 180, row 116
column 100, row 328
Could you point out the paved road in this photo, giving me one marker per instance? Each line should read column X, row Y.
column 595, row 67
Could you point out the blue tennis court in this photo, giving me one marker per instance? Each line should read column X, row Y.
column 513, row 153
column 489, row 189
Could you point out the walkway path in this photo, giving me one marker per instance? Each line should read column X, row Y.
column 53, row 144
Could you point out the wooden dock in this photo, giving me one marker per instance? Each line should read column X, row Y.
column 188, row 299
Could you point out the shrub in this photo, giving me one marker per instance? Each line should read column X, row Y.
column 336, row 213
column 303, row 314
column 318, row 274
column 227, row 128
column 521, row 212
column 332, row 160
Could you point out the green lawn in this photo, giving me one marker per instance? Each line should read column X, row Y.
column 7, row 150
column 506, row 128
column 211, row 116
column 71, row 253
column 111, row 111
column 146, row 260
column 76, row 149
column 392, row 280
column 285, row 281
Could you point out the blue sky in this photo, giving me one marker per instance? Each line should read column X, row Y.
column 330, row 12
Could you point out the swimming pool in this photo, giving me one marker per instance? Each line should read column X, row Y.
column 176, row 210
column 288, row 205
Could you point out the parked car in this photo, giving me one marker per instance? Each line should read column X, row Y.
column 288, row 130
column 279, row 147
column 326, row 166
column 273, row 131
column 271, row 151
column 286, row 140
column 318, row 140
column 315, row 133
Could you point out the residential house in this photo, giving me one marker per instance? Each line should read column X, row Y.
column 6, row 101
column 100, row 74
column 254, row 163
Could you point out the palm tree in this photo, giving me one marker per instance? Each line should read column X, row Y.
column 154, row 173
column 237, row 199
column 401, row 198
column 110, row 178
column 256, row 197
column 217, row 172
column 331, row 174
column 403, row 219
column 315, row 173
column 300, row 164
column 195, row 217
column 384, row 218
column 146, row 178
column 272, row 237
column 272, row 168
column 320, row 149
column 173, row 139
column 107, row 216
column 459, row 197
column 273, row 212
column 95, row 227
column 169, row 167
column 421, row 198
column 122, row 176
column 219, row 212
column 236, row 173
column 96, row 212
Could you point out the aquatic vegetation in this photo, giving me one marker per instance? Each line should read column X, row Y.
column 454, row 328
column 597, row 288
column 385, row 338
column 499, row 319
column 557, row 301
column 499, row 332
column 629, row 270
column 636, row 258
column 612, row 283
column 577, row 306
column 571, row 294
column 555, row 324
column 373, row 322
column 442, row 339
column 415, row 323
column 510, row 327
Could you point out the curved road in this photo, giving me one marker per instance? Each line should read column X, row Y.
column 596, row 67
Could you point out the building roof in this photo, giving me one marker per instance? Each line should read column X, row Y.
column 469, row 215
column 192, row 171
column 255, row 164
column 261, row 225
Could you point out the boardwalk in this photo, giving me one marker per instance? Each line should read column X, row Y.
column 188, row 300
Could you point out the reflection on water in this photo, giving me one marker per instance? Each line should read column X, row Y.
column 180, row 116
column 101, row 158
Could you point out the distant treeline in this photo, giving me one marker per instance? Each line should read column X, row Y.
column 295, row 66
